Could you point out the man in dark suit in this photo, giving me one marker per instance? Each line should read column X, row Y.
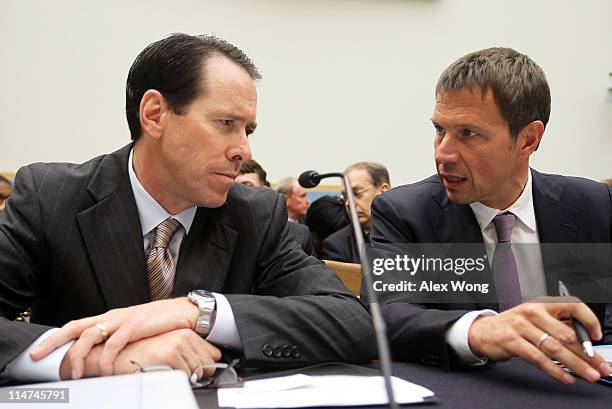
column 253, row 175
column 368, row 180
column 491, row 110
column 113, row 246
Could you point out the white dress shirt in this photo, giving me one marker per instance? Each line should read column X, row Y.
column 525, row 245
column 223, row 333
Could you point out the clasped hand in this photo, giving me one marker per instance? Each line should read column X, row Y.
column 159, row 332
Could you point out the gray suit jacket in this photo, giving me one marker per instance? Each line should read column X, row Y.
column 71, row 246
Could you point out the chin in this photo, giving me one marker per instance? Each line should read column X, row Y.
column 457, row 199
column 213, row 201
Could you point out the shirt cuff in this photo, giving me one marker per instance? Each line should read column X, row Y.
column 224, row 332
column 23, row 368
column 457, row 337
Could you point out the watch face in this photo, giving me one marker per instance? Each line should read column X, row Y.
column 203, row 293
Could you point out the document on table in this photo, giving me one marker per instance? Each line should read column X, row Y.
column 157, row 389
column 605, row 351
column 297, row 391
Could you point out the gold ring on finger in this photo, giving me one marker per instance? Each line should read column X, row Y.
column 102, row 330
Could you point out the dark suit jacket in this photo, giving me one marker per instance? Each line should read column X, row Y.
column 71, row 246
column 341, row 246
column 567, row 210
column 302, row 236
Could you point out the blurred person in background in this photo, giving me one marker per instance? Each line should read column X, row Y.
column 368, row 180
column 5, row 191
column 297, row 198
column 252, row 174
column 325, row 216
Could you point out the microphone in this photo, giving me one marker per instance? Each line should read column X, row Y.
column 312, row 178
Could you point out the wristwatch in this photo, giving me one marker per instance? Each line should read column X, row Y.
column 207, row 305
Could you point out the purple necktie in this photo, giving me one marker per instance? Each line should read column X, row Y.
column 505, row 272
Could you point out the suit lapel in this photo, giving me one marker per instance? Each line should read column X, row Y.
column 113, row 236
column 456, row 224
column 557, row 223
column 206, row 253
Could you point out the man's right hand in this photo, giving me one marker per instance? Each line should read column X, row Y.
column 180, row 349
column 517, row 333
column 124, row 325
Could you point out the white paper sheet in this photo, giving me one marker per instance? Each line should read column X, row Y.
column 605, row 351
column 157, row 389
column 330, row 390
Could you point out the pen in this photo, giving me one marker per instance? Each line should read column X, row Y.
column 583, row 337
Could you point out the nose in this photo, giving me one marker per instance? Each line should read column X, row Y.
column 446, row 150
column 240, row 151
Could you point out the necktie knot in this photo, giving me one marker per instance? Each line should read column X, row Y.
column 504, row 223
column 164, row 232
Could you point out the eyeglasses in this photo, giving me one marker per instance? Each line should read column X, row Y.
column 225, row 375
column 359, row 194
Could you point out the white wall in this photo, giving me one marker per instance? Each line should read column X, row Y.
column 335, row 72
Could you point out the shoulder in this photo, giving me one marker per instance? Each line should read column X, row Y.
column 412, row 197
column 61, row 183
column 44, row 174
column 251, row 207
column 572, row 190
column 340, row 235
column 240, row 197
column 297, row 227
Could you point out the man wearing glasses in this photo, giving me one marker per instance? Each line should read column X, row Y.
column 369, row 180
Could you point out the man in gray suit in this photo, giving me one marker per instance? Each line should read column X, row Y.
column 110, row 248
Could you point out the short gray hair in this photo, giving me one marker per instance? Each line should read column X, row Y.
column 285, row 186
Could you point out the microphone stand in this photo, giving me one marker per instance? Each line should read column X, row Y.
column 366, row 270
column 311, row 179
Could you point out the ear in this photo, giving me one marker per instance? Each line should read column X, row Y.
column 529, row 138
column 384, row 187
column 153, row 108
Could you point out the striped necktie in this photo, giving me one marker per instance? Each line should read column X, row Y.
column 160, row 266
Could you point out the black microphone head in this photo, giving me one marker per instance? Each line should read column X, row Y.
column 309, row 179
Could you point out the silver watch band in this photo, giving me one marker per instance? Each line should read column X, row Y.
column 206, row 303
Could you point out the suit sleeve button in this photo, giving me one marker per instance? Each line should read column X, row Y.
column 286, row 351
column 267, row 350
column 276, row 351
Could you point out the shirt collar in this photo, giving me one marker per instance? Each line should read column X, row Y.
column 152, row 213
column 522, row 208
